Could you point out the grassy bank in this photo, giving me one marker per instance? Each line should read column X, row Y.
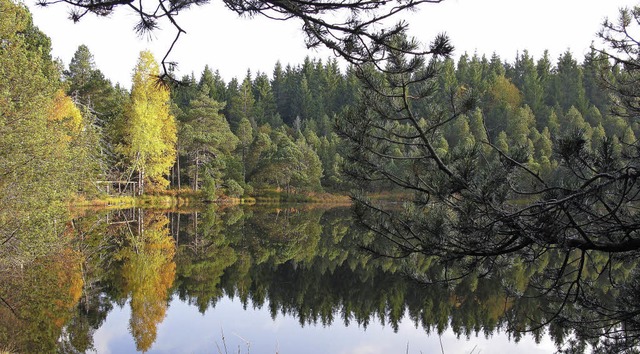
column 164, row 199
column 271, row 196
column 188, row 198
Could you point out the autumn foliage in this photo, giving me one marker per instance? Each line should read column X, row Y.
column 150, row 132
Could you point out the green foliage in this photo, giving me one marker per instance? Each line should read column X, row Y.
column 214, row 85
column 568, row 86
column 209, row 188
column 240, row 103
column 233, row 188
column 44, row 139
column 287, row 164
column 520, row 98
column 570, row 189
column 150, row 132
column 205, row 139
column 527, row 157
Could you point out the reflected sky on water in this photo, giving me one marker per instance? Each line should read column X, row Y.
column 185, row 330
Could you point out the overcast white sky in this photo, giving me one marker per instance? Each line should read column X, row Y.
column 218, row 37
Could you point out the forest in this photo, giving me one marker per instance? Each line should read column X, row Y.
column 68, row 132
column 275, row 130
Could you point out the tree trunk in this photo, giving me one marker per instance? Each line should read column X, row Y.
column 140, row 182
column 178, row 230
column 195, row 179
column 178, row 164
column 172, row 176
column 195, row 228
column 244, row 168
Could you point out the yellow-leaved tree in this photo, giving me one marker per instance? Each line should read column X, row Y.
column 150, row 132
column 66, row 115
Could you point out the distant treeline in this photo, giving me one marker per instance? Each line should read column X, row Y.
column 284, row 123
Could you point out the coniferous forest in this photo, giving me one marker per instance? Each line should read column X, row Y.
column 487, row 158
column 278, row 130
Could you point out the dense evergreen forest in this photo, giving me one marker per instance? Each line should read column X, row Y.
column 277, row 131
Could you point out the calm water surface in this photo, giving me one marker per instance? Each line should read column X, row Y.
column 185, row 330
column 248, row 280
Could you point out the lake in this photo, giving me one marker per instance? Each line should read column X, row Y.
column 292, row 279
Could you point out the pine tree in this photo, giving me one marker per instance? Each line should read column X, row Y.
column 241, row 103
column 245, row 135
column 206, row 139
column 215, row 84
column 596, row 67
column 182, row 94
column 89, row 87
column 265, row 109
column 568, row 87
column 544, row 69
column 530, row 84
column 495, row 67
column 81, row 68
column 519, row 126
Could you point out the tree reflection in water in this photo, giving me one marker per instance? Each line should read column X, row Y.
column 38, row 302
column 308, row 263
column 148, row 271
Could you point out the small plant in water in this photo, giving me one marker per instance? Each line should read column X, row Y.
column 224, row 345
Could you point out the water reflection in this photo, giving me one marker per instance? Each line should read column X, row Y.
column 307, row 264
column 38, row 302
column 147, row 271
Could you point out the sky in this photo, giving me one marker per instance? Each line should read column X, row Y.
column 231, row 44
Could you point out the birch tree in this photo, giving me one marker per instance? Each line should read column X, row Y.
column 150, row 133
